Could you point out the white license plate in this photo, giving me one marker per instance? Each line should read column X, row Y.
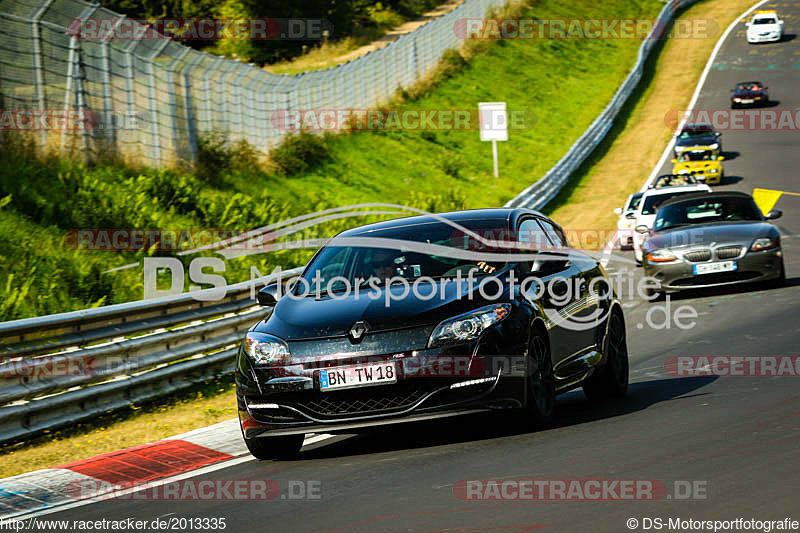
column 746, row 101
column 713, row 268
column 347, row 377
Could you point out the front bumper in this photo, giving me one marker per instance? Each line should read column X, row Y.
column 431, row 383
column 752, row 267
column 754, row 39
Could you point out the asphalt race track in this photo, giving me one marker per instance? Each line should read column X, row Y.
column 737, row 437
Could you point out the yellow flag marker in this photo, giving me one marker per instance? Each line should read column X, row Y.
column 766, row 199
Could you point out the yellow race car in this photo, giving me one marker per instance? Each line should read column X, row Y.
column 702, row 162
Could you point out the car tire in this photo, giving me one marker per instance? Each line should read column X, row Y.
column 541, row 387
column 264, row 448
column 611, row 380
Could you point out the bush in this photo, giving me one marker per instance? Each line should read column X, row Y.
column 300, row 152
column 213, row 158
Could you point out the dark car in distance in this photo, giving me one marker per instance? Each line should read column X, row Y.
column 712, row 239
column 329, row 359
column 749, row 94
column 700, row 134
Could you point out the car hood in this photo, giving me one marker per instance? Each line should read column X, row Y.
column 695, row 165
column 312, row 318
column 706, row 234
column 763, row 28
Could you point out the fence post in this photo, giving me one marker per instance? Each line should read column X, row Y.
column 110, row 130
column 38, row 70
column 191, row 120
column 151, row 96
column 173, row 113
column 75, row 82
column 207, row 91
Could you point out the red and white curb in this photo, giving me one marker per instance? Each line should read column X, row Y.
column 42, row 490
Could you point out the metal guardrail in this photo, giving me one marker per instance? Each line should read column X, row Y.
column 137, row 351
column 543, row 191
column 58, row 370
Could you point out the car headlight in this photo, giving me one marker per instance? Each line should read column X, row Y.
column 263, row 349
column 714, row 146
column 661, row 256
column 469, row 326
column 713, row 170
column 737, row 99
column 765, row 243
column 683, row 171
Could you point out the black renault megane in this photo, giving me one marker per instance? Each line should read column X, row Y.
column 425, row 317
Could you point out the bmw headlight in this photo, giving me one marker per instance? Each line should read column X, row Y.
column 263, row 349
column 765, row 243
column 469, row 326
column 713, row 171
column 661, row 256
column 714, row 146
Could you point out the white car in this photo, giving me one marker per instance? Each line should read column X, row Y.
column 764, row 27
column 627, row 220
column 646, row 212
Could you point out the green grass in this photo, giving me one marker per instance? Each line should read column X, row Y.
column 559, row 86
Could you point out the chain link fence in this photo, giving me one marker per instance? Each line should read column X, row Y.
column 151, row 98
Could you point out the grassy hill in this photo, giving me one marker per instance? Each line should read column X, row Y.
column 558, row 86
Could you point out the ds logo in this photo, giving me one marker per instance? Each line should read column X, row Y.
column 197, row 274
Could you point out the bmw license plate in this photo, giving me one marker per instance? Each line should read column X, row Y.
column 347, row 377
column 713, row 268
column 746, row 101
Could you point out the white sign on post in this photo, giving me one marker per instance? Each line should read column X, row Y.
column 494, row 126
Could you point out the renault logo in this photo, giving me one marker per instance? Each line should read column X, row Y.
column 357, row 331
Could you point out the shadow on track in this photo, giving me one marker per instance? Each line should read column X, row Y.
column 573, row 408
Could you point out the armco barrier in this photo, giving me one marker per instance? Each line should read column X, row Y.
column 61, row 369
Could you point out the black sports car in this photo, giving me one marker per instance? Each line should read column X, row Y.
column 749, row 93
column 697, row 135
column 507, row 317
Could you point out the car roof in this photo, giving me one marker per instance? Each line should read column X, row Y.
column 748, row 82
column 718, row 194
column 504, row 215
column 697, row 125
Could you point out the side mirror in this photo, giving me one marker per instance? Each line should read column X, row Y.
column 618, row 211
column 674, row 160
column 718, row 133
column 268, row 296
column 720, row 158
column 631, row 216
column 775, row 213
column 642, row 229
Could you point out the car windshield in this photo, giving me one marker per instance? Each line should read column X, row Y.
column 705, row 210
column 634, row 201
column 698, row 155
column 337, row 267
column 652, row 202
column 674, row 180
column 743, row 87
column 695, row 131
column 764, row 20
